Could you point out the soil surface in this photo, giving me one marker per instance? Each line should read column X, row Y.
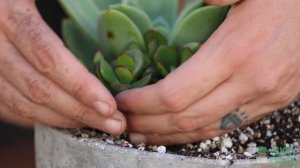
column 273, row 136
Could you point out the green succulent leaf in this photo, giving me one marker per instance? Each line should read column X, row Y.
column 73, row 37
column 162, row 69
column 153, row 40
column 124, row 75
column 84, row 13
column 118, row 87
column 104, row 4
column 189, row 7
column 98, row 57
column 193, row 46
column 166, row 59
column 107, row 73
column 185, row 54
column 126, row 61
column 140, row 61
column 116, row 31
column 139, row 17
column 198, row 25
column 142, row 82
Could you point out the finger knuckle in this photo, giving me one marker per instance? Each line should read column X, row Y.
column 82, row 113
column 22, row 108
column 186, row 124
column 266, row 84
column 170, row 100
column 79, row 89
column 39, row 91
column 45, row 57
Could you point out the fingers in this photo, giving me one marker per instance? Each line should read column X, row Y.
column 221, row 2
column 24, row 108
column 9, row 117
column 227, row 97
column 42, row 91
column 183, row 87
column 210, row 131
column 45, row 51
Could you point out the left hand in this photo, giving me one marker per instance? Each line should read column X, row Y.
column 248, row 68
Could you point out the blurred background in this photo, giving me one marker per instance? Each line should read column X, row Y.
column 16, row 144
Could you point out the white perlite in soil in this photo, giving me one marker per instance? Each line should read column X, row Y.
column 277, row 134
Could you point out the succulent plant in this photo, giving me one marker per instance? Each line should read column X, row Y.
column 133, row 43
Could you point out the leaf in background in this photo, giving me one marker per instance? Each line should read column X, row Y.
column 198, row 25
column 140, row 18
column 74, row 38
column 116, row 31
column 104, row 4
column 189, row 7
column 85, row 13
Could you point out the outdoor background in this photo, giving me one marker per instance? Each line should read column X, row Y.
column 16, row 144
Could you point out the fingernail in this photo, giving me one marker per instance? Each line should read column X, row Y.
column 137, row 138
column 113, row 126
column 102, row 108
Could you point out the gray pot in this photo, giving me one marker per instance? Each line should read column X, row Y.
column 59, row 149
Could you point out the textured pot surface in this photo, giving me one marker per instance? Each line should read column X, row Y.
column 56, row 149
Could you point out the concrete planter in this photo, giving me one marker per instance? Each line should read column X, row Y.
column 58, row 149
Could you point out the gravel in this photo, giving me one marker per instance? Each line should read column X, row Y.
column 276, row 134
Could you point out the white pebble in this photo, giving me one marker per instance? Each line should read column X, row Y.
column 141, row 148
column 109, row 141
column 208, row 142
column 248, row 154
column 227, row 142
column 243, row 138
column 269, row 133
column 299, row 118
column 203, row 145
column 130, row 145
column 216, row 139
column 161, row 149
column 224, row 149
column 228, row 157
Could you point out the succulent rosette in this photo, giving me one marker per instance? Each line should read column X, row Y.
column 133, row 43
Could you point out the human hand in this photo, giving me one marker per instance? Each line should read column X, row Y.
column 248, row 68
column 41, row 81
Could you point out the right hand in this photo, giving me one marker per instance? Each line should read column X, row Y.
column 41, row 81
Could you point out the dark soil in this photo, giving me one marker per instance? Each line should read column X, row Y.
column 275, row 135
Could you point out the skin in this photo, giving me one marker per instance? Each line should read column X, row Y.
column 42, row 82
column 248, row 68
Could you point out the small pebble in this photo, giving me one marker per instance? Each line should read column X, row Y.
column 161, row 149
column 243, row 138
column 248, row 154
column 227, row 142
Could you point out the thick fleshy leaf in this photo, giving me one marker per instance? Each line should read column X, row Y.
column 107, row 73
column 193, row 46
column 153, row 40
column 116, row 31
column 124, row 75
column 167, row 57
column 118, row 87
column 98, row 57
column 84, row 13
column 104, row 4
column 162, row 69
column 198, row 25
column 142, row 82
column 185, row 54
column 126, row 61
column 189, row 7
column 73, row 37
column 162, row 26
column 139, row 60
column 139, row 17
